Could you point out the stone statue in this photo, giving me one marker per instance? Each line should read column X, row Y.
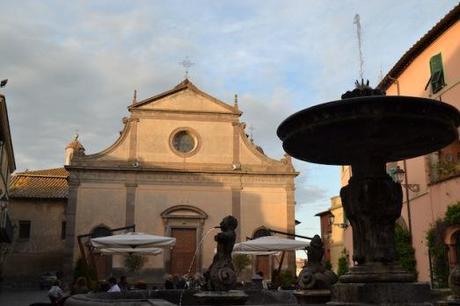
column 314, row 275
column 221, row 274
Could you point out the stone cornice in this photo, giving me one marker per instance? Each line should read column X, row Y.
column 167, row 114
column 126, row 166
column 229, row 180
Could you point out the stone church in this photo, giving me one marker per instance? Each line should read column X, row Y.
column 182, row 162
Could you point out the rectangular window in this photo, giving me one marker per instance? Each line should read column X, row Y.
column 24, row 229
column 63, row 225
column 437, row 73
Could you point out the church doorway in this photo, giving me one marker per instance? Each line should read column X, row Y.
column 263, row 265
column 185, row 223
column 182, row 254
column 262, row 262
column 102, row 263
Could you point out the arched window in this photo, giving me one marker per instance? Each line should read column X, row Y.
column 100, row 231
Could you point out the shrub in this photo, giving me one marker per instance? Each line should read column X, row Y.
column 240, row 262
column 405, row 253
column 343, row 263
column 83, row 270
column 437, row 247
column 134, row 262
column 453, row 214
column 286, row 279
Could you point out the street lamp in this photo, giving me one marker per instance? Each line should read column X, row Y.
column 401, row 176
column 341, row 225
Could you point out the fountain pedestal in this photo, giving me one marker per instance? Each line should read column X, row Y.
column 367, row 129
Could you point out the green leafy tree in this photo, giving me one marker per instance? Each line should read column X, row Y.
column 405, row 253
column 82, row 269
column 453, row 214
column 343, row 265
column 134, row 262
column 240, row 262
column 437, row 248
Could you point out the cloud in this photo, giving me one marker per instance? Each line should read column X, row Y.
column 74, row 65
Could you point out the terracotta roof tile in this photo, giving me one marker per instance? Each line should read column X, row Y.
column 45, row 184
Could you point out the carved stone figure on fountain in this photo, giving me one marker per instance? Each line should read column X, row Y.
column 221, row 274
column 314, row 275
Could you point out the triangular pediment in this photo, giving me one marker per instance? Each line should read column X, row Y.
column 185, row 97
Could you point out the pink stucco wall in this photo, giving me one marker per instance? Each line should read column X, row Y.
column 431, row 202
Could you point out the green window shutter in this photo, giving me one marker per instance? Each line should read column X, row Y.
column 437, row 73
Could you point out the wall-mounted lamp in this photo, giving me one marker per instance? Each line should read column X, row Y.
column 341, row 225
column 400, row 175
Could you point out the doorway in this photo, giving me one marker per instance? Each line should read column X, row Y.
column 182, row 254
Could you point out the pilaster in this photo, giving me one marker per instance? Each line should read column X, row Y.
column 290, row 206
column 130, row 203
column 236, row 209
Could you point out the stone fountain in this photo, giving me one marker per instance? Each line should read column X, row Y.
column 367, row 129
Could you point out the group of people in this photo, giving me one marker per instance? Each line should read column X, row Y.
column 197, row 281
column 57, row 295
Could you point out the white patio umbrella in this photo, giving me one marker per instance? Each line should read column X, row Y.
column 137, row 251
column 275, row 253
column 133, row 240
column 270, row 244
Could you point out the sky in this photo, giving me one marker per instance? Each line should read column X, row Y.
column 73, row 66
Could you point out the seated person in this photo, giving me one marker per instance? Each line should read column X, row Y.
column 113, row 285
column 123, row 283
column 56, row 294
column 80, row 286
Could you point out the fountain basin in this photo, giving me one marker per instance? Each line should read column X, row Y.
column 393, row 127
column 144, row 297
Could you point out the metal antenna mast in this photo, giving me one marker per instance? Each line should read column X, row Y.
column 358, row 33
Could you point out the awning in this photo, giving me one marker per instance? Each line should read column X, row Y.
column 137, row 251
column 270, row 243
column 133, row 240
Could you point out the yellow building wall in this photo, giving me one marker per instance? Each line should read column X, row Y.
column 44, row 250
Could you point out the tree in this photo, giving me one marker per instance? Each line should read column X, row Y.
column 134, row 262
column 343, row 263
column 240, row 262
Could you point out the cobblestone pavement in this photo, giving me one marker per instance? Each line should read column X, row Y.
column 22, row 297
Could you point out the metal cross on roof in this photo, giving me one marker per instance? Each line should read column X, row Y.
column 186, row 63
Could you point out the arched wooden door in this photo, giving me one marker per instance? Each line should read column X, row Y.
column 102, row 263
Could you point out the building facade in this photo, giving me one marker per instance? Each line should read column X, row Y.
column 37, row 207
column 7, row 166
column 182, row 163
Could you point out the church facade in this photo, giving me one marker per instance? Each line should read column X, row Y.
column 182, row 163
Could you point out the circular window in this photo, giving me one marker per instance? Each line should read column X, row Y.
column 183, row 142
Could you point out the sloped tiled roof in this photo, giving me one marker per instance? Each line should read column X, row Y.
column 40, row 184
